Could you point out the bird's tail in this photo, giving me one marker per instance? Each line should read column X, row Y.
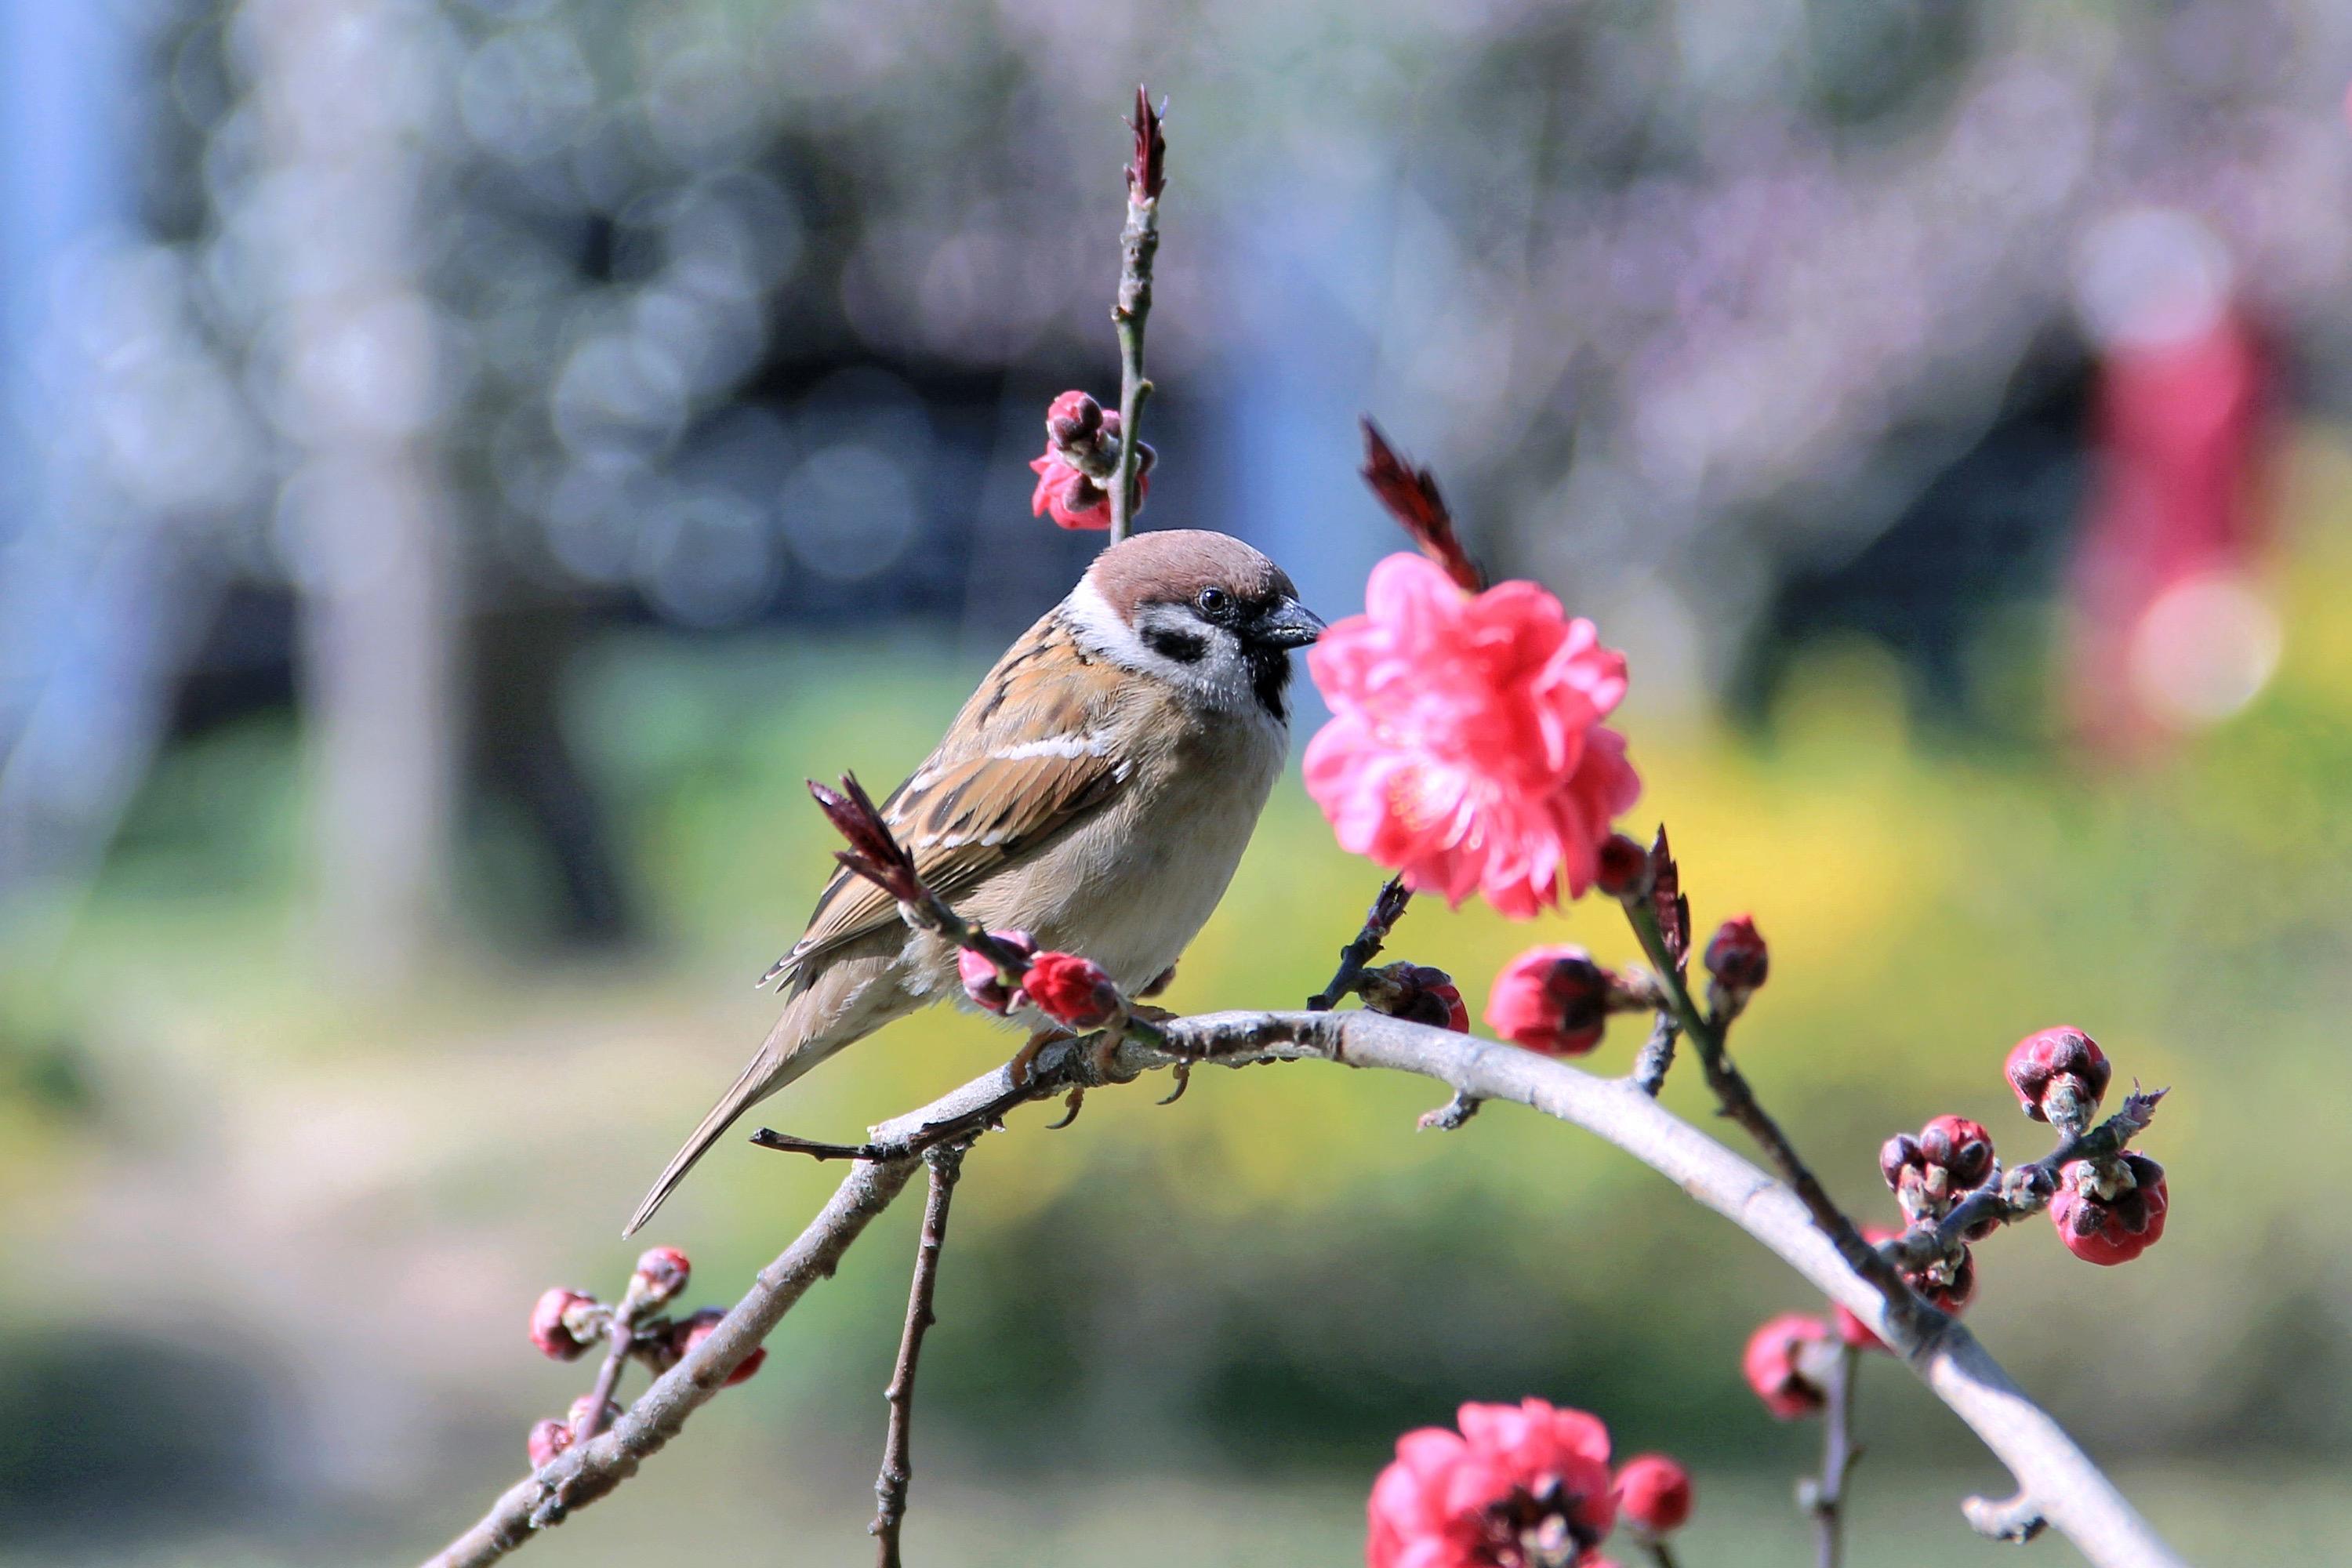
column 788, row 1055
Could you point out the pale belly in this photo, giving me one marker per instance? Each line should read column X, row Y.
column 1131, row 888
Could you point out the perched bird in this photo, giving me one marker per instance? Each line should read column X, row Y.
column 1097, row 792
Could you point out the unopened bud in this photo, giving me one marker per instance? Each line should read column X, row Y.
column 548, row 1439
column 564, row 1323
column 1737, row 962
column 1074, row 992
column 690, row 1331
column 2060, row 1075
column 662, row 1272
column 978, row 971
column 1623, row 869
column 1072, row 419
column 1416, row 992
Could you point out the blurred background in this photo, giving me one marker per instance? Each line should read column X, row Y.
column 462, row 465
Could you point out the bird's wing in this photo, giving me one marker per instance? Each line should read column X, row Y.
column 964, row 821
column 1025, row 761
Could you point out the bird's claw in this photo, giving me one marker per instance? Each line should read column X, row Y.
column 1184, row 1081
column 1023, row 1069
column 1070, row 1109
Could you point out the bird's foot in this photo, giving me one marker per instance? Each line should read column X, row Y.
column 1023, row 1069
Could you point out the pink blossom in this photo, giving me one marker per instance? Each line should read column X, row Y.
column 1466, row 748
column 1550, row 999
column 1518, row 1484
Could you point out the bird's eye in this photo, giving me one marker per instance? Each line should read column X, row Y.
column 1215, row 603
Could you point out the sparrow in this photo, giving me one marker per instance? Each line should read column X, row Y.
column 1096, row 791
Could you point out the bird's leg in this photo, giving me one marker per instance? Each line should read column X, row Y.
column 1022, row 1067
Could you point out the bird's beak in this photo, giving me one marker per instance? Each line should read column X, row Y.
column 1289, row 624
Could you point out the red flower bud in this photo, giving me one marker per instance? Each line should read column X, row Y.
column 1075, row 991
column 1417, row 992
column 1653, row 1494
column 2110, row 1211
column 1081, row 451
column 1897, row 1155
column 1776, row 1364
column 1623, row 868
column 1960, row 1148
column 2059, row 1075
column 697, row 1326
column 661, row 1274
column 562, row 1323
column 1737, row 957
column 1072, row 419
column 1551, row 999
column 548, row 1439
column 1951, row 1156
column 978, row 973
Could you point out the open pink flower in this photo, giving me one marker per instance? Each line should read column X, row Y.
column 1518, row 1485
column 1466, row 748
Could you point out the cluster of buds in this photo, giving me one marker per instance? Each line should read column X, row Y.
column 2110, row 1211
column 1416, row 992
column 1557, row 1000
column 1738, row 963
column 2060, row 1076
column 564, row 1324
column 1076, row 992
column 1081, row 457
column 1928, row 1173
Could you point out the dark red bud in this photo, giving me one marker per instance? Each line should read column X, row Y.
column 2038, row 1061
column 695, row 1327
column 1074, row 419
column 1418, row 994
column 1737, row 957
column 1898, row 1155
column 1963, row 1147
column 1625, row 868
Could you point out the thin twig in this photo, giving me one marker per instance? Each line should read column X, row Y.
column 2078, row 1501
column 1656, row 1057
column 1139, row 242
column 945, row 1163
column 1825, row 1495
column 623, row 1338
column 1740, row 1103
column 1388, row 908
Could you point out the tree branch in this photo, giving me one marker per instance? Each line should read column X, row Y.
column 945, row 1163
column 1738, row 1102
column 1388, row 908
column 1138, row 243
column 1824, row 1496
column 2068, row 1490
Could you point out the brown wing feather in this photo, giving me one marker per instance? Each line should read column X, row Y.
column 970, row 810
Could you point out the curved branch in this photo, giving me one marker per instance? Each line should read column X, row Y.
column 2065, row 1488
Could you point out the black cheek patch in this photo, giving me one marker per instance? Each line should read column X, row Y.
column 1174, row 642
